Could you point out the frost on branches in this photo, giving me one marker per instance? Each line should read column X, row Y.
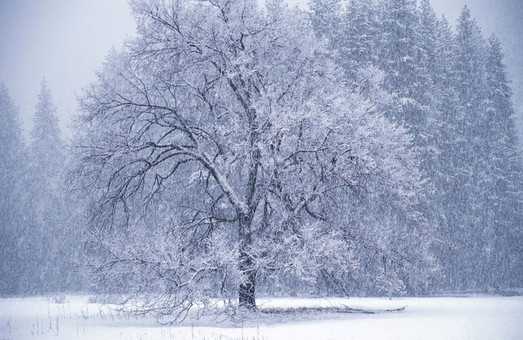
column 222, row 154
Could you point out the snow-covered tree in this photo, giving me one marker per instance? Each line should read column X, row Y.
column 360, row 32
column 464, row 222
column 503, row 215
column 48, row 240
column 12, row 172
column 220, row 148
column 398, row 48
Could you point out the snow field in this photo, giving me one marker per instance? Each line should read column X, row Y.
column 423, row 318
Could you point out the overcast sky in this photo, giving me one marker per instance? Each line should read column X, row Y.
column 65, row 41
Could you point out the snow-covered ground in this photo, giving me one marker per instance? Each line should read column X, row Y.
column 423, row 318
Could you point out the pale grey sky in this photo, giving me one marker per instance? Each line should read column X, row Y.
column 65, row 41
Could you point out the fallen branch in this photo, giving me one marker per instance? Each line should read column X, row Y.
column 341, row 309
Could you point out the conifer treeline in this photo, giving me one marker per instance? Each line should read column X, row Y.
column 450, row 90
column 39, row 223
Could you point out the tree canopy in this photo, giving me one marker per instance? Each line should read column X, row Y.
column 221, row 147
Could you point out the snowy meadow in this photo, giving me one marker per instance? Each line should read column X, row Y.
column 74, row 317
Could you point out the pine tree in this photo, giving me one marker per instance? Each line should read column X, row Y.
column 427, row 44
column 503, row 186
column 443, row 176
column 12, row 172
column 360, row 36
column 398, row 47
column 45, row 136
column 48, row 245
column 469, row 155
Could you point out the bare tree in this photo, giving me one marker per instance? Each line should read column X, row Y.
column 220, row 146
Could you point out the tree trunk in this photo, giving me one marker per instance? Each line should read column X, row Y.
column 247, row 297
column 246, row 292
